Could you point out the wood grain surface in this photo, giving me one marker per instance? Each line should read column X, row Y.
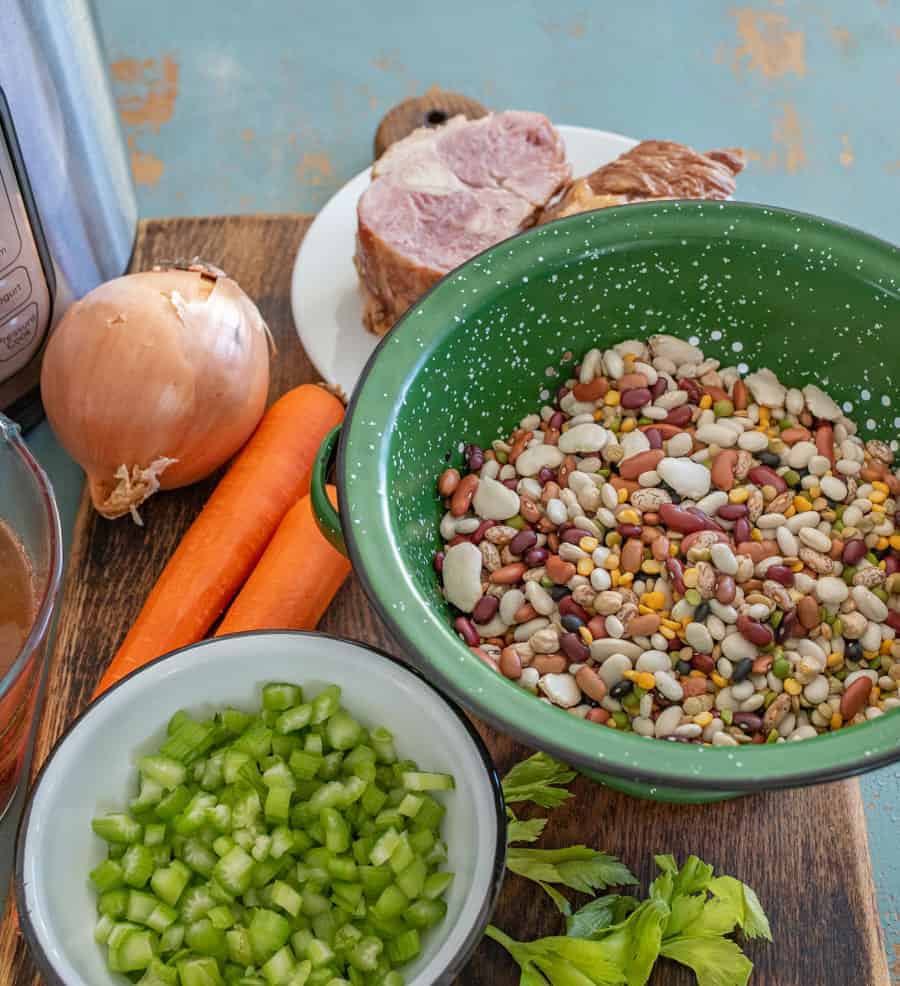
column 804, row 851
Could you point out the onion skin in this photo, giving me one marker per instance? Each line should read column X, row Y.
column 162, row 365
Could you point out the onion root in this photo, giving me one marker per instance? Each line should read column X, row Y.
column 132, row 487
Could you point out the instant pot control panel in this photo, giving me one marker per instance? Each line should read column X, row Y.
column 26, row 273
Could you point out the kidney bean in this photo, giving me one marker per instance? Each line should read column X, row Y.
column 725, row 589
column 825, row 441
column 643, row 625
column 574, row 647
column 635, row 398
column 438, row 561
column 893, row 620
column 466, row 629
column 762, row 664
column 654, row 438
column 485, row 609
column 808, row 613
column 458, row 539
column 510, row 484
column 659, row 388
column 855, row 697
column 781, row 574
column 748, row 722
column 692, row 388
column 597, row 627
column 790, row 436
column 550, row 663
column 568, row 465
column 508, row 574
column 892, row 562
column 740, row 396
column 556, row 422
column 679, row 519
column 593, row 390
column 591, row 683
column 462, row 497
column 679, row 416
column 741, row 530
column 632, row 556
column 629, row 530
column 732, row 511
column 561, row 392
column 559, row 570
column 448, row 482
column 766, row 476
column 786, row 628
column 510, row 663
column 568, row 607
column 573, row 534
column 703, row 662
column 854, row 550
column 708, row 523
column 474, row 455
column 546, row 475
column 482, row 529
column 632, row 381
column 754, row 631
column 634, row 465
column 536, row 557
column 676, row 574
column 522, row 542
column 525, row 613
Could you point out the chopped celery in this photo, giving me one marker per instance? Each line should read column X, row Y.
column 289, row 848
column 278, row 696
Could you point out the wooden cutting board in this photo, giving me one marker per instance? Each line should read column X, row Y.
column 805, row 851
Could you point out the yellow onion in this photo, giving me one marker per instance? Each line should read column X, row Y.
column 154, row 380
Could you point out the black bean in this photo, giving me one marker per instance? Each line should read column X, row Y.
column 853, row 650
column 770, row 459
column 571, row 622
column 742, row 669
column 701, row 612
column 558, row 592
column 621, row 688
column 684, row 667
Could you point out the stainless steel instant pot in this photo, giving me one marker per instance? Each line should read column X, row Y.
column 67, row 207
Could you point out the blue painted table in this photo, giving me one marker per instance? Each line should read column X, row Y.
column 271, row 105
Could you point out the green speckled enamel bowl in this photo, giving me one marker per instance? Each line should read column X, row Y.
column 811, row 299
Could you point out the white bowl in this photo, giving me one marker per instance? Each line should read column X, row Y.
column 91, row 770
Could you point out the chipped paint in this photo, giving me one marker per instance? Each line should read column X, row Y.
column 388, row 62
column 314, row 168
column 247, row 135
column 151, row 101
column 788, row 133
column 576, row 29
column 845, row 41
column 893, row 167
column 147, row 169
column 847, row 156
column 768, row 45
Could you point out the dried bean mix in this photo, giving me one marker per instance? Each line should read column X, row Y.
column 677, row 550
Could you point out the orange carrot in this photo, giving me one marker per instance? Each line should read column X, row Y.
column 220, row 549
column 295, row 579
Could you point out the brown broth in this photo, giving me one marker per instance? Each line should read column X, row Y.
column 17, row 598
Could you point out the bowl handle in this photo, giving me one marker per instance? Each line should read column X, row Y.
column 327, row 517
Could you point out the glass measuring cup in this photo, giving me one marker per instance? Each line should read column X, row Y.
column 28, row 508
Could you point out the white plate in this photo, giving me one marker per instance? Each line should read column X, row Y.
column 325, row 295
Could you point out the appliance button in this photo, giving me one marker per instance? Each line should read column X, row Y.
column 15, row 290
column 10, row 238
column 18, row 332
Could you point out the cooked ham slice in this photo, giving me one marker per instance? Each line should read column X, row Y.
column 439, row 197
column 654, row 169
